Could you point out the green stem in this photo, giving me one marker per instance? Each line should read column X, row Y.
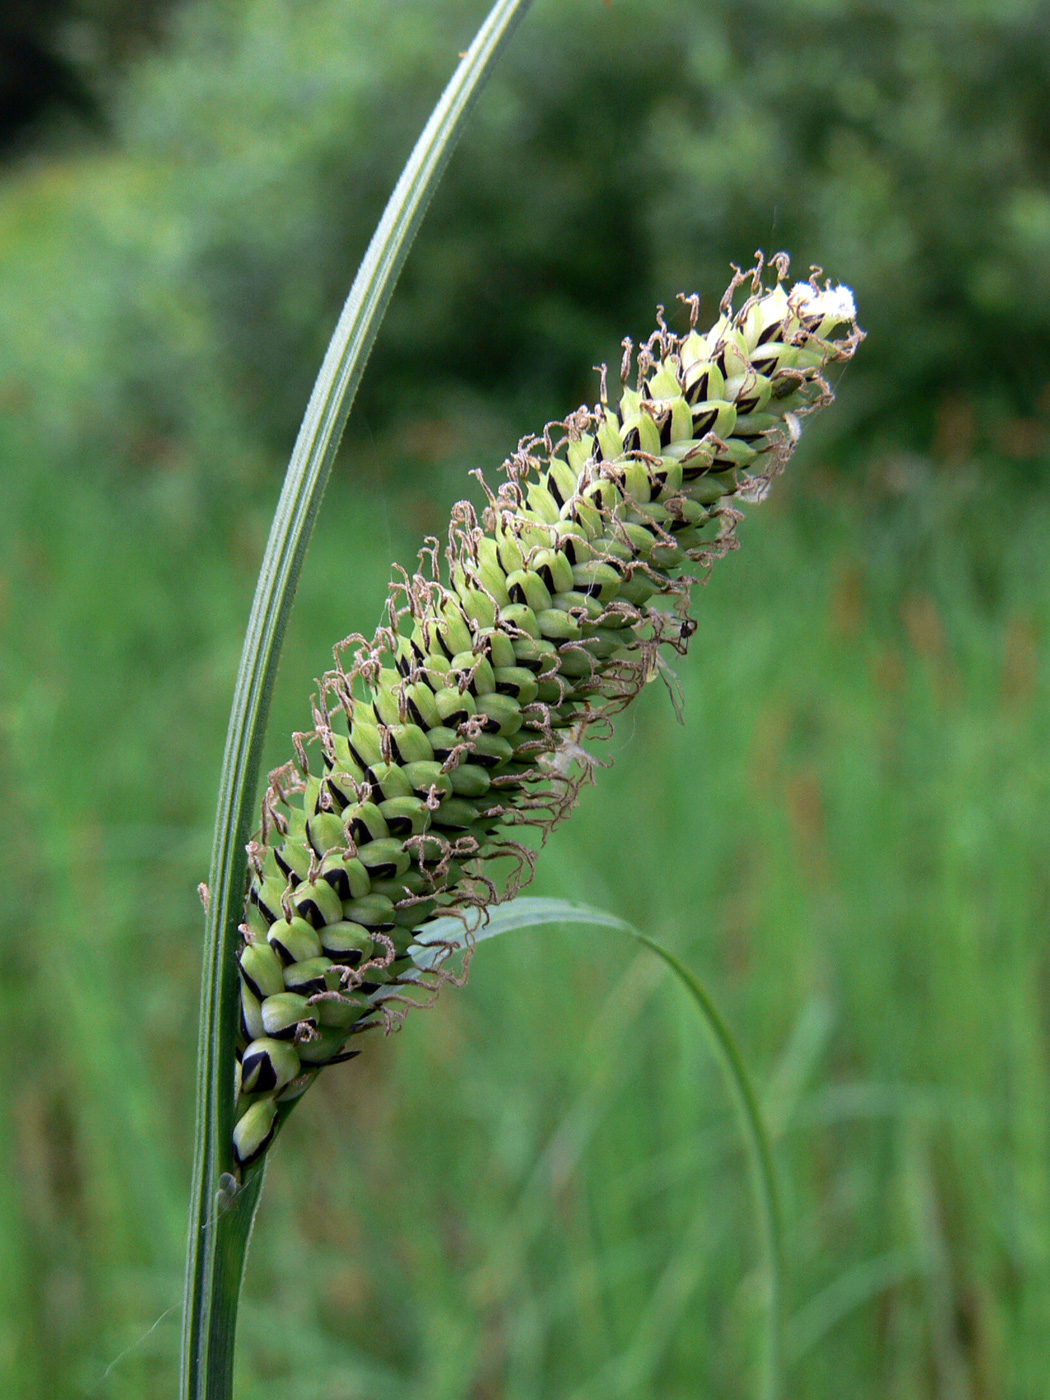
column 229, row 1230
column 218, row 1237
column 442, row 934
column 759, row 1151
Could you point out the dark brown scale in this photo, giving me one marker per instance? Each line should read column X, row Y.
column 339, row 881
column 703, row 422
column 267, row 1076
column 282, row 952
column 552, row 487
column 768, row 334
column 266, row 1140
column 632, row 440
column 358, row 831
column 507, row 688
column 413, row 710
column 745, row 405
column 256, row 899
column 386, row 871
column 488, row 725
column 309, row 986
column 442, row 749
column 309, row 911
column 658, row 478
column 287, row 1034
column 348, row 959
column 361, row 763
column 253, row 987
column 442, row 645
column 456, row 717
column 484, row 760
column 691, row 473
column 472, row 689
column 665, row 431
column 336, row 797
column 342, row 790
column 401, row 756
column 592, row 590
column 697, row 391
column 384, row 926
column 538, row 665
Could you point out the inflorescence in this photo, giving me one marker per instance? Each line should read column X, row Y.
column 463, row 719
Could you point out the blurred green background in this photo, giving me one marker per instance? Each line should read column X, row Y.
column 537, row 1189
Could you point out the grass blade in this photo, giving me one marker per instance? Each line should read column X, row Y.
column 532, row 912
column 218, row 1235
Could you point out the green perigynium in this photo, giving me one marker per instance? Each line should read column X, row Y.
column 464, row 717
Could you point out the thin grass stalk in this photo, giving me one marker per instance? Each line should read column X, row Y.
column 760, row 1157
column 221, row 1215
column 532, row 912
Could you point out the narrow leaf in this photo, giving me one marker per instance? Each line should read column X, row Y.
column 218, row 1234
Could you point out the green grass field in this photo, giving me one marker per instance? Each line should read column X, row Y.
column 537, row 1189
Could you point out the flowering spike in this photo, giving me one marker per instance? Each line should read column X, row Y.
column 465, row 717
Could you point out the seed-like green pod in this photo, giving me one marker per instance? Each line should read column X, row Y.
column 346, row 942
column 282, row 1014
column 261, row 970
column 327, row 1044
column 466, row 716
column 254, row 1130
column 313, row 975
column 293, row 940
column 267, row 1065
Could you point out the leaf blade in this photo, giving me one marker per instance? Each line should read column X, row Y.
column 208, row 1319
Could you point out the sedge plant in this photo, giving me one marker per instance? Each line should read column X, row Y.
column 396, row 828
column 465, row 717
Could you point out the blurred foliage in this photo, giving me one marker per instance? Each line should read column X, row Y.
column 537, row 1188
column 59, row 60
column 534, row 1191
column 625, row 152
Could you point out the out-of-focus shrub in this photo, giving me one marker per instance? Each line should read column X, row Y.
column 625, row 151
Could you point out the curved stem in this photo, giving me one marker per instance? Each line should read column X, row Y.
column 441, row 935
column 218, row 1237
column 759, row 1151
